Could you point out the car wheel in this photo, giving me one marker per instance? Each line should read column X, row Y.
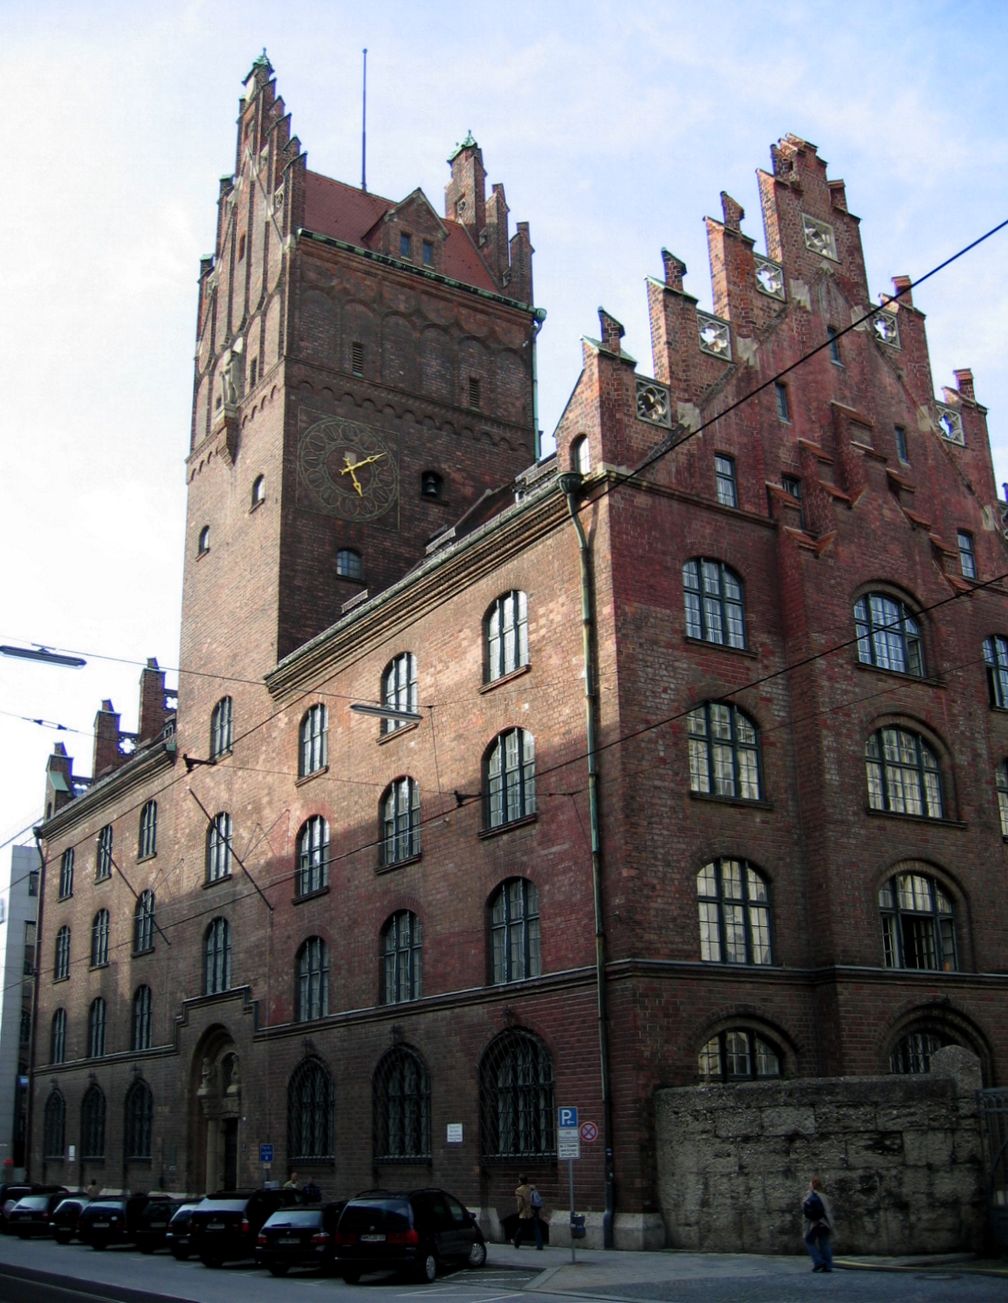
column 426, row 1268
column 350, row 1275
column 278, row 1269
column 477, row 1254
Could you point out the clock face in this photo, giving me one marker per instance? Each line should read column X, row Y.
column 348, row 469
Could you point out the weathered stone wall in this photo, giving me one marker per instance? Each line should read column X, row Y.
column 900, row 1158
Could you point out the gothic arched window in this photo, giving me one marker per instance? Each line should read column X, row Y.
column 92, row 1126
column 509, row 778
column 516, row 1098
column 310, row 1104
column 401, row 1101
column 514, row 931
column 312, row 980
column 139, row 1120
column 54, row 1126
column 401, row 956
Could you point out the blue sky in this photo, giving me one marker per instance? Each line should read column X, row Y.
column 613, row 131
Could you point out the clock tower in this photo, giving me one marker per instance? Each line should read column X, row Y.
column 363, row 375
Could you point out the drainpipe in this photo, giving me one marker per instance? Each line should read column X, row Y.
column 538, row 317
column 570, row 484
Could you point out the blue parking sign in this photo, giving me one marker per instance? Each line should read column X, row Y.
column 567, row 1117
column 266, row 1154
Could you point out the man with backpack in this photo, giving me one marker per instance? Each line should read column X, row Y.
column 818, row 1226
column 530, row 1204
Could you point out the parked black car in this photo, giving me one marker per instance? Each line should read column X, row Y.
column 299, row 1237
column 152, row 1225
column 177, row 1232
column 413, row 1232
column 32, row 1213
column 110, row 1221
column 224, row 1225
column 63, row 1222
column 10, row 1194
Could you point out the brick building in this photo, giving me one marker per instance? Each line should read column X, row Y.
column 682, row 755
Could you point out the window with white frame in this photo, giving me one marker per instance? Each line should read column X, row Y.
column 713, row 597
column 904, row 776
column 918, row 924
column 888, row 635
column 724, row 752
column 313, row 740
column 509, row 778
column 312, row 859
column 734, row 907
column 506, row 626
column 399, row 689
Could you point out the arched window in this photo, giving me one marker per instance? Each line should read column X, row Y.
column 258, row 490
column 918, row 924
column 61, row 959
column 221, row 727
column 506, row 632
column 312, row 980
column 147, row 844
column 100, row 939
column 312, row 872
column 401, row 1096
column 92, row 1123
column 995, row 650
column 888, row 636
column 96, row 1028
column 349, row 564
column 715, row 610
column 139, row 1118
column 57, row 1037
column 514, row 931
column 509, row 778
column 904, row 776
column 313, row 741
column 912, row 1052
column 66, row 873
column 54, row 1126
column 739, row 1054
column 1001, row 781
column 399, row 689
column 310, row 1102
column 402, row 952
column 734, row 907
column 218, row 847
column 400, row 821
column 724, row 752
column 203, row 541
column 516, row 1098
column 141, row 1030
column 580, row 454
column 103, row 859
column 217, row 957
column 143, row 923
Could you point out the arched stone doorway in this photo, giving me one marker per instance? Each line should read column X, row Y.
column 215, row 1111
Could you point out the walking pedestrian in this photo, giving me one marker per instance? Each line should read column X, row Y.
column 818, row 1226
column 529, row 1206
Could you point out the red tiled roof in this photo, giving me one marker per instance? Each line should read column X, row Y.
column 347, row 213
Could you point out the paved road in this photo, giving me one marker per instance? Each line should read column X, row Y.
column 42, row 1272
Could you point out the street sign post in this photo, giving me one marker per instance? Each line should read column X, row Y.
column 569, row 1147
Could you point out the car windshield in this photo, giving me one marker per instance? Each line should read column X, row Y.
column 33, row 1202
column 393, row 1215
column 210, row 1205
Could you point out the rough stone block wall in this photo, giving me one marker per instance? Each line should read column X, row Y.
column 900, row 1158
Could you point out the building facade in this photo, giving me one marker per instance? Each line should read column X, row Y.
column 496, row 784
column 18, row 921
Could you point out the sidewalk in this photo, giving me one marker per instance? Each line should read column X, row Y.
column 617, row 1274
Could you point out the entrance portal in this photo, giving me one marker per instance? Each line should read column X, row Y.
column 214, row 1120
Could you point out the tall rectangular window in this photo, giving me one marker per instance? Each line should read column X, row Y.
column 724, row 476
column 103, row 859
column 834, row 345
column 781, row 398
column 427, row 251
column 967, row 557
column 405, row 245
column 357, row 358
column 474, row 392
column 901, row 444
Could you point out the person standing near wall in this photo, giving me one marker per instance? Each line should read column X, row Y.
column 818, row 1226
column 528, row 1213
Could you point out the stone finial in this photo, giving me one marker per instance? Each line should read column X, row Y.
column 964, row 383
column 732, row 211
column 675, row 270
column 612, row 331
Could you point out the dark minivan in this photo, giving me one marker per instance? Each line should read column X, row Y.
column 224, row 1225
column 299, row 1237
column 413, row 1232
